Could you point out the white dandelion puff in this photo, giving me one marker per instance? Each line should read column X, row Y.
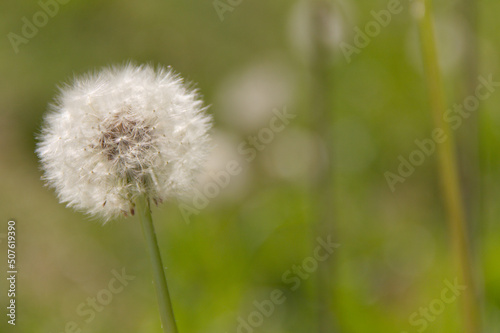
column 122, row 133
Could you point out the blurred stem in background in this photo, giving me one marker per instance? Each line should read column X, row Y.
column 448, row 170
column 469, row 138
column 166, row 311
column 322, row 112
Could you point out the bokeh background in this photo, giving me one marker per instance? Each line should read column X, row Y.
column 394, row 249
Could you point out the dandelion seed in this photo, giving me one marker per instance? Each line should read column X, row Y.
column 110, row 136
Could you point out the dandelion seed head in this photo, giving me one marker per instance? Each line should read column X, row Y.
column 121, row 133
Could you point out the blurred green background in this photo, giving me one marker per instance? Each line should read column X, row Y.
column 394, row 249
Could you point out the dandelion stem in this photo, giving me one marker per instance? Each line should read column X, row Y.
column 448, row 170
column 166, row 311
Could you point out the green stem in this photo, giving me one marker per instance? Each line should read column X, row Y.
column 452, row 194
column 166, row 312
column 323, row 196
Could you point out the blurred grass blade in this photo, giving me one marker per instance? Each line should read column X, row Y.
column 448, row 171
column 323, row 188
